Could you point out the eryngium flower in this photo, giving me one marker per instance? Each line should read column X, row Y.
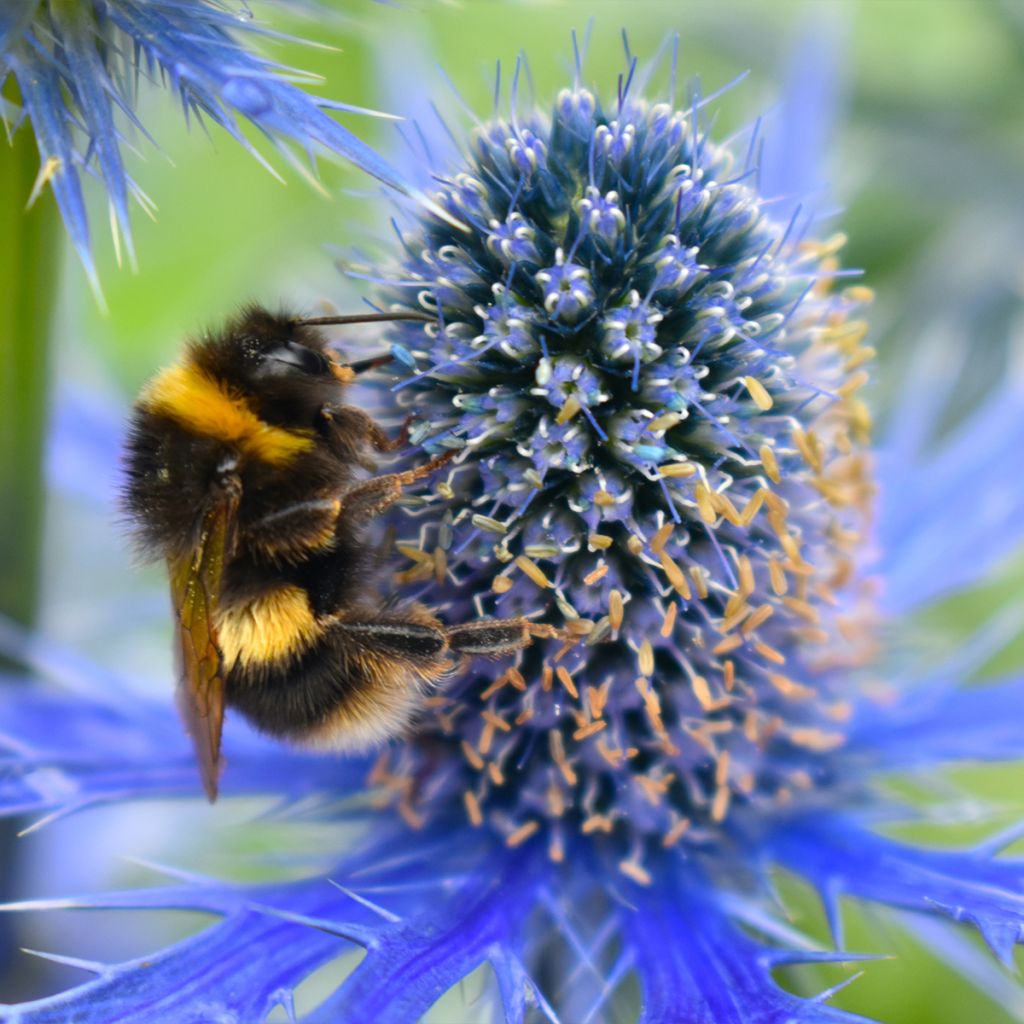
column 653, row 386
column 653, row 383
column 78, row 65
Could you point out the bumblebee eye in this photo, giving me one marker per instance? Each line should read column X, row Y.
column 298, row 356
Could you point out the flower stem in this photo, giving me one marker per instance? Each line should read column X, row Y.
column 29, row 261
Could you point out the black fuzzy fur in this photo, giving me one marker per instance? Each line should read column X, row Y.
column 172, row 474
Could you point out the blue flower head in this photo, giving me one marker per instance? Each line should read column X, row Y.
column 662, row 453
column 653, row 387
column 78, row 67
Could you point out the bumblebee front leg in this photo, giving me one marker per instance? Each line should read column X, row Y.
column 359, row 428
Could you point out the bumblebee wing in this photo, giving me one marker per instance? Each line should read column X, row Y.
column 195, row 590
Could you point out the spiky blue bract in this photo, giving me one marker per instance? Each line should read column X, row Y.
column 522, row 844
column 53, row 763
column 78, row 68
column 441, row 902
column 968, row 530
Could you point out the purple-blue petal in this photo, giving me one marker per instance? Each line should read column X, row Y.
column 92, row 87
column 411, row 963
column 950, row 514
column 15, row 17
column 211, row 976
column 78, row 67
column 438, row 926
column 839, row 856
column 936, row 725
column 61, row 752
column 695, row 965
column 40, row 88
column 797, row 140
column 83, row 447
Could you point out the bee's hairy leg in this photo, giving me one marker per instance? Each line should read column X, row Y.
column 396, row 444
column 373, row 496
column 419, row 472
column 396, row 635
column 494, row 637
column 294, row 530
column 356, row 423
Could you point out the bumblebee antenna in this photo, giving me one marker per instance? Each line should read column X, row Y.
column 362, row 365
column 363, row 318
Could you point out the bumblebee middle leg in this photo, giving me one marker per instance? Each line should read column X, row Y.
column 294, row 532
column 373, row 496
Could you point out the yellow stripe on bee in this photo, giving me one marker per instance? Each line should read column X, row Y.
column 275, row 626
column 207, row 408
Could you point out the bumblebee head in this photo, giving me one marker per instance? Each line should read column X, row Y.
column 281, row 364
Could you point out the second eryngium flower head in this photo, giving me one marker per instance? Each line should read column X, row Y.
column 653, row 381
column 78, row 67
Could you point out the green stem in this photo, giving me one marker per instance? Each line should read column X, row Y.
column 29, row 263
column 29, row 266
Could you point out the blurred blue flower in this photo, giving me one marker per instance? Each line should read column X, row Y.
column 78, row 67
column 653, row 384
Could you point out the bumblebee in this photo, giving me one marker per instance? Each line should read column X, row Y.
column 247, row 473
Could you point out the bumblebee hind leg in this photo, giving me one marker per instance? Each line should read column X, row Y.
column 493, row 638
column 366, row 678
column 414, row 636
column 418, row 643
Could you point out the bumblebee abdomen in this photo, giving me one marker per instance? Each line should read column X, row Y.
column 359, row 680
column 270, row 628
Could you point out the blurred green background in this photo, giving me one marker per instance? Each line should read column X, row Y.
column 926, row 156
